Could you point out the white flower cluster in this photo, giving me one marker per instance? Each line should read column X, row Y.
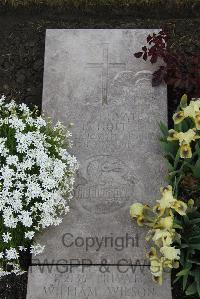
column 36, row 179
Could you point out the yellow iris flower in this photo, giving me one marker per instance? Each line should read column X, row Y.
column 185, row 151
column 160, row 218
column 197, row 120
column 170, row 253
column 156, row 265
column 163, row 237
column 187, row 137
column 178, row 117
column 167, row 198
column 180, row 207
column 184, row 141
column 166, row 222
column 192, row 111
column 136, row 210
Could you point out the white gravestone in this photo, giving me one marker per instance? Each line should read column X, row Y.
column 93, row 80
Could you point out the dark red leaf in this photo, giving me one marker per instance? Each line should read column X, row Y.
column 154, row 59
column 145, row 56
column 138, row 54
column 158, row 76
column 149, row 37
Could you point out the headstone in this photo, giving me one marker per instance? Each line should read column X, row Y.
column 93, row 80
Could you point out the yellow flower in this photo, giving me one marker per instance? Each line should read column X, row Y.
column 158, row 279
column 190, row 203
column 136, row 210
column 170, row 253
column 168, row 263
column 163, row 237
column 187, row 137
column 152, row 253
column 180, row 207
column 158, row 210
column 167, row 198
column 156, row 268
column 185, row 151
column 197, row 120
column 140, row 220
column 172, row 135
column 149, row 234
column 178, row 117
column 189, row 111
column 184, row 138
column 166, row 222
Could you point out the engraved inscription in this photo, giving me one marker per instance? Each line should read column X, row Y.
column 109, row 130
column 105, row 184
column 105, row 66
column 89, row 283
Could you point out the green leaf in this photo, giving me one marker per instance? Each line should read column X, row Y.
column 176, row 279
column 194, row 238
column 184, row 245
column 196, row 169
column 183, row 272
column 185, row 279
column 183, row 102
column 197, row 148
column 177, row 158
column 170, row 147
column 169, row 166
column 164, row 129
column 197, row 279
column 186, row 219
column 194, row 261
column 195, row 246
column 192, row 289
column 195, row 221
column 175, row 225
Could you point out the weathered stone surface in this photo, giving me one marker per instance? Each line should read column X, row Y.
column 93, row 80
column 125, row 282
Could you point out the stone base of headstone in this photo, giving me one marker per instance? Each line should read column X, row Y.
column 100, row 282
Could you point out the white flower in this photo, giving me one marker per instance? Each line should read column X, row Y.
column 11, row 254
column 34, row 189
column 57, row 221
column 2, row 99
column 24, row 108
column 3, row 150
column 40, row 122
column 22, row 248
column 25, row 218
column 1, row 255
column 37, row 249
column 12, row 160
column 67, row 209
column 17, row 123
column 36, row 173
column 10, row 106
column 9, row 220
column 6, row 237
column 29, row 235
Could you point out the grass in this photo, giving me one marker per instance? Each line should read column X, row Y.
column 85, row 3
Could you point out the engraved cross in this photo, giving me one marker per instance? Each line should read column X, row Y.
column 105, row 66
